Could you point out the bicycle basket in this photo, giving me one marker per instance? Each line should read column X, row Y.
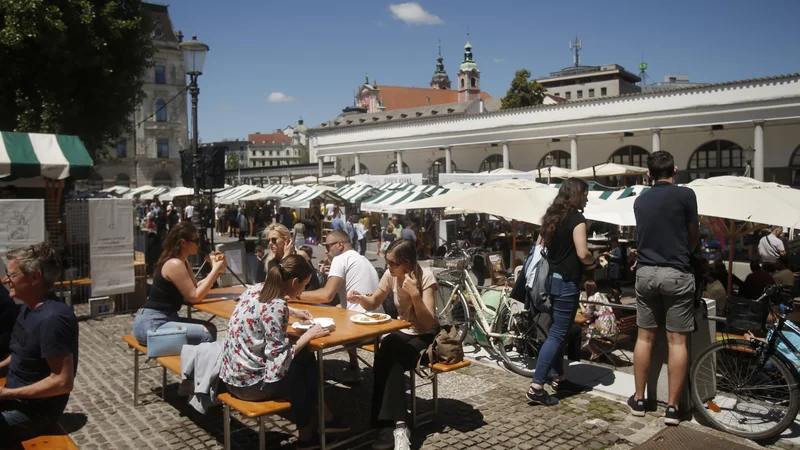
column 746, row 314
column 456, row 263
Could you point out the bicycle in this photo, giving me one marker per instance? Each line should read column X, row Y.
column 749, row 387
column 497, row 322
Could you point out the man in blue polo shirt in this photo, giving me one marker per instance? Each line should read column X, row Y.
column 44, row 347
column 667, row 229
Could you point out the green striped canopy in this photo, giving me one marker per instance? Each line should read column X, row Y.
column 30, row 155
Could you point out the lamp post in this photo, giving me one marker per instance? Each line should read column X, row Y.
column 194, row 55
column 548, row 161
column 749, row 155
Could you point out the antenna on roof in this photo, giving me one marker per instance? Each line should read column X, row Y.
column 440, row 47
column 642, row 71
column 576, row 45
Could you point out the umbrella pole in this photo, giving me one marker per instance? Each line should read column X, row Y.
column 513, row 245
column 730, row 235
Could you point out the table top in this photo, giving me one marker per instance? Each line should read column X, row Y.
column 226, row 293
column 345, row 332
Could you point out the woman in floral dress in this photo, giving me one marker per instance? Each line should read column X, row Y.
column 602, row 322
column 260, row 363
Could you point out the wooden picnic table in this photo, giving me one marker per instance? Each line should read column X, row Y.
column 345, row 332
column 218, row 295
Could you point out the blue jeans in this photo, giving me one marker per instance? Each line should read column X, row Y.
column 19, row 422
column 197, row 331
column 565, row 296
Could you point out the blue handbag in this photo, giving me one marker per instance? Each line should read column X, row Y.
column 165, row 341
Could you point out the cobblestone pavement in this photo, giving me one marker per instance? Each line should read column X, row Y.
column 480, row 407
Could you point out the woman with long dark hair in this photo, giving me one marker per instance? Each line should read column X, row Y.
column 260, row 363
column 174, row 282
column 563, row 237
column 413, row 289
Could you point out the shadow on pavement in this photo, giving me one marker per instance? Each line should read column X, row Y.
column 72, row 422
column 453, row 414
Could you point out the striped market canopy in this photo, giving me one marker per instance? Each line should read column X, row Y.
column 273, row 191
column 426, row 188
column 392, row 201
column 619, row 194
column 353, row 193
column 180, row 191
column 31, row 155
column 157, row 192
column 302, row 199
column 231, row 196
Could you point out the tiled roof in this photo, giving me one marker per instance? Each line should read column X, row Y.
column 399, row 97
column 269, row 139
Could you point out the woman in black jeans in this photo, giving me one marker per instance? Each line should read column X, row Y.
column 564, row 238
column 413, row 289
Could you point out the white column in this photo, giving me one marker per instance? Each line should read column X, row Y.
column 656, row 139
column 506, row 162
column 573, row 152
column 399, row 162
column 758, row 145
column 319, row 167
column 357, row 165
column 448, row 159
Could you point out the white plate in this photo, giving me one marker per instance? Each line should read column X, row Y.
column 365, row 319
column 325, row 322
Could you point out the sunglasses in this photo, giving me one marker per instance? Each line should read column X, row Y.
column 195, row 241
column 328, row 246
column 393, row 264
column 274, row 240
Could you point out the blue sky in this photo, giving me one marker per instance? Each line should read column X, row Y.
column 315, row 53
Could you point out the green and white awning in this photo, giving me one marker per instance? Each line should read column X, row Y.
column 302, row 198
column 353, row 193
column 156, row 192
column 31, row 155
column 393, row 202
column 619, row 194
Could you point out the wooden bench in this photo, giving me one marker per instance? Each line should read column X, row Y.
column 53, row 442
column 253, row 410
column 436, row 369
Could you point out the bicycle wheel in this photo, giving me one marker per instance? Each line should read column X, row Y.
column 734, row 393
column 451, row 306
column 519, row 347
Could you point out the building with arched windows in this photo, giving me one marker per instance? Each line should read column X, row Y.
column 710, row 129
column 159, row 126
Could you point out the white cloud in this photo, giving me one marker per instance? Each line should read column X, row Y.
column 280, row 97
column 498, row 60
column 413, row 14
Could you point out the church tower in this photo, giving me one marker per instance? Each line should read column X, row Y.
column 469, row 77
column 440, row 79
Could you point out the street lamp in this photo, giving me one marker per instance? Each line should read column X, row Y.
column 549, row 161
column 749, row 155
column 194, row 55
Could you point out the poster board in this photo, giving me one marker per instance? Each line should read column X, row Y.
column 21, row 224
column 111, row 246
column 235, row 258
column 496, row 263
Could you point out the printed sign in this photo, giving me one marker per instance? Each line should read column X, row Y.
column 377, row 180
column 111, row 246
column 21, row 224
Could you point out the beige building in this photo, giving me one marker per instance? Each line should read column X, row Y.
column 286, row 147
column 150, row 154
column 585, row 82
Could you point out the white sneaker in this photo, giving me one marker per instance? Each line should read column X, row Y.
column 402, row 439
column 385, row 440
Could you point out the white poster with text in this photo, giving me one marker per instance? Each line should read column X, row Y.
column 111, row 246
column 21, row 224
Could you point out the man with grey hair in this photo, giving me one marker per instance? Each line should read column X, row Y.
column 40, row 371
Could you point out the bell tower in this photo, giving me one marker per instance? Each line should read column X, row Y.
column 440, row 79
column 469, row 77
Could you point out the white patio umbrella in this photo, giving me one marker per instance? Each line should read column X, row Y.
column 502, row 170
column 608, row 170
column 551, row 172
column 332, row 179
column 305, row 180
column 617, row 212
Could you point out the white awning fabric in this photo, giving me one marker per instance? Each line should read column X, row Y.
column 155, row 192
column 353, row 193
column 393, row 202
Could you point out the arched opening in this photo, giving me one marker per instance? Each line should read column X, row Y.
column 123, row 180
column 492, row 162
column 438, row 167
column 561, row 159
column 462, row 82
column 630, row 155
column 716, row 158
column 362, row 170
column 161, row 110
column 794, row 167
column 162, row 178
column 95, row 182
column 393, row 168
column 473, row 82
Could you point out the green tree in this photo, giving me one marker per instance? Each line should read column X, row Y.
column 232, row 161
column 523, row 92
column 73, row 67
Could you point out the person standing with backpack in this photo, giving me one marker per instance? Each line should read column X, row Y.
column 564, row 240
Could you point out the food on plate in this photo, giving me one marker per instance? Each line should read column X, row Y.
column 371, row 317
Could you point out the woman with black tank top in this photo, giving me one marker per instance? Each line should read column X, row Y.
column 173, row 281
column 563, row 236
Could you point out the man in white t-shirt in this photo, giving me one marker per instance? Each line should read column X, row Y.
column 770, row 247
column 349, row 271
column 188, row 212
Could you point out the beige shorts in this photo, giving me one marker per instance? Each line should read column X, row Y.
column 664, row 297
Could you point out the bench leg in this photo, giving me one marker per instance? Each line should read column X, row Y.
column 413, row 399
column 164, row 383
column 321, row 399
column 261, row 441
column 435, row 388
column 226, row 426
column 135, row 377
